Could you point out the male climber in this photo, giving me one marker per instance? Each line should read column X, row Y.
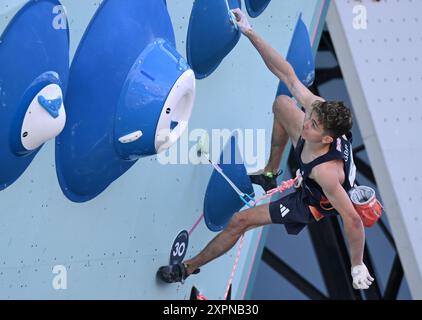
column 327, row 172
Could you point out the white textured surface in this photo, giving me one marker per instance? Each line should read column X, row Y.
column 382, row 67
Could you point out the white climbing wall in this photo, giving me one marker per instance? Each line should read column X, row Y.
column 379, row 47
column 111, row 247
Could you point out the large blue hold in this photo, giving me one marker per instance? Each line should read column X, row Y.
column 211, row 35
column 33, row 55
column 300, row 57
column 221, row 201
column 256, row 7
column 122, row 73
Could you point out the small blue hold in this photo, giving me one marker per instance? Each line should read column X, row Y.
column 52, row 106
column 173, row 124
column 183, row 65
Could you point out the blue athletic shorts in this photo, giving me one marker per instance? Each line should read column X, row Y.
column 291, row 211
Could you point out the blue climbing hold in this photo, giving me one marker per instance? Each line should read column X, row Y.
column 52, row 106
column 173, row 125
column 34, row 61
column 300, row 57
column 256, row 7
column 212, row 34
column 221, row 201
column 128, row 87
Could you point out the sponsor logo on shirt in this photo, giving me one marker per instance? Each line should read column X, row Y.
column 346, row 152
column 283, row 210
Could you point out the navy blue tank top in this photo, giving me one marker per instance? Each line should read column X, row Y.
column 313, row 195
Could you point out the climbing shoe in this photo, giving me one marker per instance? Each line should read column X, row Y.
column 174, row 273
column 267, row 180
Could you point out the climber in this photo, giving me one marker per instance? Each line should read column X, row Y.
column 321, row 138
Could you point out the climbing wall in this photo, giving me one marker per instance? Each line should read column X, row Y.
column 110, row 247
column 379, row 47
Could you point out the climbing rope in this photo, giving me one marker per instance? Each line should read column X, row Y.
column 285, row 185
column 246, row 198
column 232, row 17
